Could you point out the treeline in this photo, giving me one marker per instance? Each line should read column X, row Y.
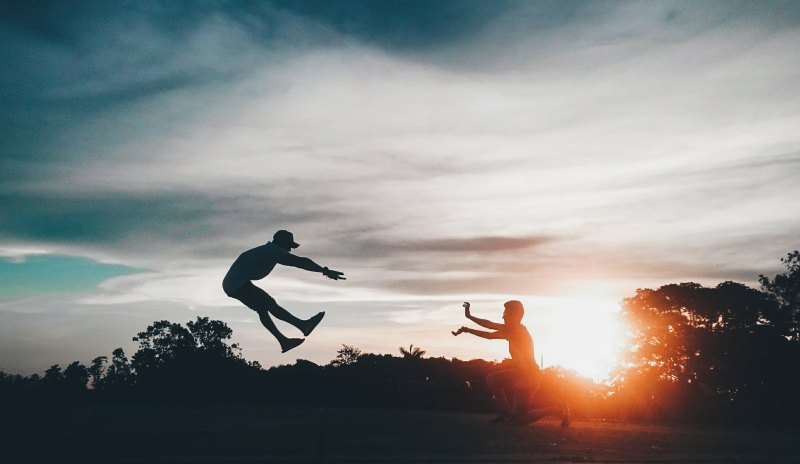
column 729, row 353
column 196, row 362
column 172, row 362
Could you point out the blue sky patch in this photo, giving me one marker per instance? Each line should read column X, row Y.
column 55, row 274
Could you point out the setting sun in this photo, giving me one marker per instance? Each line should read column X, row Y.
column 581, row 334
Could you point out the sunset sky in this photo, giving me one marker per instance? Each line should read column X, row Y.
column 562, row 153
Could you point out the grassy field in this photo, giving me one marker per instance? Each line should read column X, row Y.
column 242, row 434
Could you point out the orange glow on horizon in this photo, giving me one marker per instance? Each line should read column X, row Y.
column 584, row 334
column 581, row 334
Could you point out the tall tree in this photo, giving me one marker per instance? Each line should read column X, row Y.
column 119, row 372
column 76, row 376
column 160, row 343
column 786, row 289
column 53, row 375
column 210, row 336
column 96, row 370
column 413, row 352
column 346, row 355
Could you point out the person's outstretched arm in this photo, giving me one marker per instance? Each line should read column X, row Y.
column 480, row 333
column 479, row 321
column 305, row 263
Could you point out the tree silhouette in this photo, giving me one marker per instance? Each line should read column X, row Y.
column 786, row 289
column 96, row 370
column 346, row 355
column 691, row 343
column 414, row 352
column 119, row 373
column 53, row 376
column 160, row 343
column 65, row 383
column 76, row 375
column 210, row 336
column 190, row 363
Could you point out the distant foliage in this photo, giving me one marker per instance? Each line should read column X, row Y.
column 729, row 352
column 786, row 290
column 173, row 362
column 725, row 353
column 346, row 355
column 413, row 352
column 119, row 374
column 96, row 370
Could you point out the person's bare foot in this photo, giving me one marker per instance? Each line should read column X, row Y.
column 311, row 324
column 291, row 343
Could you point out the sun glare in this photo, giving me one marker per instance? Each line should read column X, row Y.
column 584, row 335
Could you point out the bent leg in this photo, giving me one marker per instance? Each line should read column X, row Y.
column 272, row 307
column 526, row 385
column 259, row 301
column 529, row 386
column 499, row 384
column 304, row 325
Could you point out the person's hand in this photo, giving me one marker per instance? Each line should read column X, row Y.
column 466, row 308
column 459, row 331
column 333, row 275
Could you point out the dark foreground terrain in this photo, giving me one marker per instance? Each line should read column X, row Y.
column 244, row 434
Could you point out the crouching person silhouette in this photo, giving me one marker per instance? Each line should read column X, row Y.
column 256, row 264
column 513, row 389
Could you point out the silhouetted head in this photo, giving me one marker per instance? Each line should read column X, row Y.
column 513, row 312
column 285, row 240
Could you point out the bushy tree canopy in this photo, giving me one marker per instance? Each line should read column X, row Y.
column 699, row 346
column 785, row 288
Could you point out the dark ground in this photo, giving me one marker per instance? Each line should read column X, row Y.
column 250, row 434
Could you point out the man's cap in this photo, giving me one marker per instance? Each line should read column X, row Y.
column 285, row 236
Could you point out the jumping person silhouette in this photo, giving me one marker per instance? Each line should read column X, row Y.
column 256, row 264
column 514, row 388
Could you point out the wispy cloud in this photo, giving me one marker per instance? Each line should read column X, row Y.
column 426, row 149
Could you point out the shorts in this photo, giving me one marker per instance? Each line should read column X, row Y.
column 254, row 298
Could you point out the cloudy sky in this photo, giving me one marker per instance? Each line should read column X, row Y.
column 562, row 153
